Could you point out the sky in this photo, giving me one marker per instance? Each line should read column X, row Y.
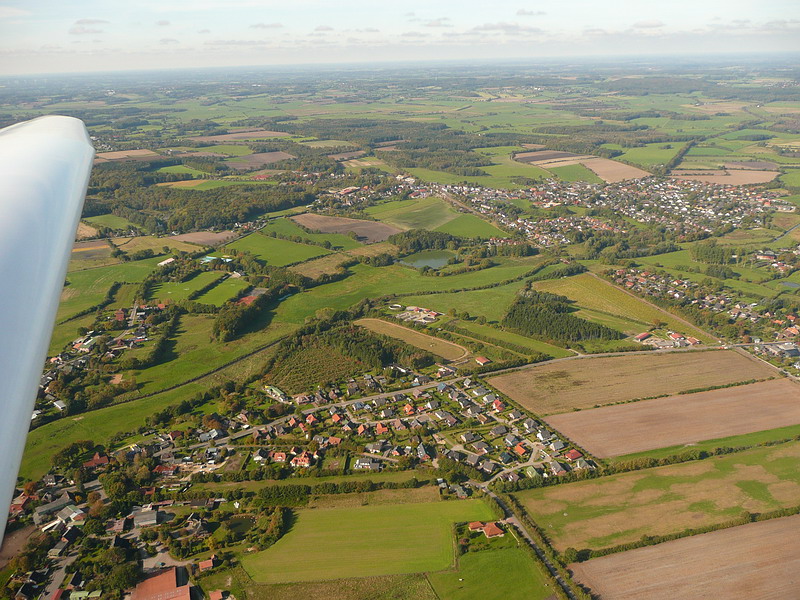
column 58, row 36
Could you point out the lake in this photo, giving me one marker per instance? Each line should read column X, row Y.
column 435, row 259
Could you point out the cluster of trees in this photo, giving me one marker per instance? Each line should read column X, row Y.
column 710, row 252
column 298, row 494
column 160, row 346
column 129, row 189
column 415, row 240
column 548, row 316
column 233, row 319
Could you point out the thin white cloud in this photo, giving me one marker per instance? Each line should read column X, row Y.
column 163, row 23
column 90, row 22
column 441, row 22
column 649, row 24
column 522, row 12
column 83, row 30
column 204, row 31
column 7, row 12
column 507, row 28
column 167, row 41
column 323, row 28
column 266, row 26
column 412, row 34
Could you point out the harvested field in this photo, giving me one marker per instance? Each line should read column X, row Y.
column 543, row 156
column 204, row 238
column 347, row 155
column 102, row 157
column 369, row 231
column 320, row 266
column 723, row 177
column 259, row 160
column 375, row 249
column 85, row 231
column 756, row 560
column 187, row 183
column 443, row 348
column 612, row 171
column 685, row 419
column 149, row 242
column 619, row 509
column 608, row 170
column 257, row 134
column 90, row 249
column 589, row 382
column 752, row 164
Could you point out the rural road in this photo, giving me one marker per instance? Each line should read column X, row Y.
column 512, row 520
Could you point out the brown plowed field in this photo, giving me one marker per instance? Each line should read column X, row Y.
column 371, row 231
column 686, row 419
column 753, row 561
column 612, row 171
column 204, row 238
column 732, row 177
column 240, row 135
column 102, row 157
column 590, row 382
column 258, row 160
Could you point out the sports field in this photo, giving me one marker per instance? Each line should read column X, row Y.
column 757, row 560
column 443, row 348
column 618, row 509
column 588, row 382
column 590, row 292
column 685, row 419
column 476, row 569
column 388, row 539
column 277, row 252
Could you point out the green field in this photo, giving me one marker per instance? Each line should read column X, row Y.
column 175, row 291
column 471, row 226
column 514, row 338
column 575, row 173
column 182, row 170
column 622, row 508
column 508, row 574
column 276, row 252
column 111, row 221
column 338, row 543
column 596, row 294
column 223, row 291
column 371, row 282
column 288, row 227
column 415, row 213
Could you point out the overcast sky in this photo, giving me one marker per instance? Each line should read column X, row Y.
column 47, row 36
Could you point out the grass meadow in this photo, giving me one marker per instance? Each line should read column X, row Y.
column 365, row 541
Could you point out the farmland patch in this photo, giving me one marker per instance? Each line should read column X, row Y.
column 685, row 419
column 587, row 382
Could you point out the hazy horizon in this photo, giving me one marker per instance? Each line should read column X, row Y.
column 88, row 35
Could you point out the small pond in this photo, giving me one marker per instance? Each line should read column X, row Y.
column 790, row 284
column 435, row 259
column 241, row 524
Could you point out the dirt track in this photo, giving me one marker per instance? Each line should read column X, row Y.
column 754, row 561
column 690, row 418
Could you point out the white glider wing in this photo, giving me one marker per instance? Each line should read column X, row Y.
column 44, row 171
